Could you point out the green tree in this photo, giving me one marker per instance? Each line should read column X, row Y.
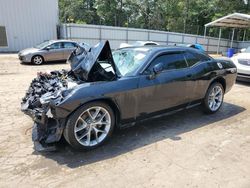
column 187, row 16
column 78, row 11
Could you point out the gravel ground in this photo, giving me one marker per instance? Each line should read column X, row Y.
column 187, row 149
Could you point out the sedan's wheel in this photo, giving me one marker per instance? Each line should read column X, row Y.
column 90, row 126
column 37, row 60
column 214, row 98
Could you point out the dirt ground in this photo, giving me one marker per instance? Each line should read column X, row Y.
column 188, row 149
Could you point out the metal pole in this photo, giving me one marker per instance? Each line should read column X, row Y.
column 167, row 38
column 127, row 35
column 100, row 33
column 205, row 31
column 232, row 38
column 127, row 29
column 70, row 31
column 244, row 35
column 218, row 46
column 66, row 29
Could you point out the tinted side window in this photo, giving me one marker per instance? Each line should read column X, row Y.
column 170, row 61
column 69, row 45
column 203, row 57
column 57, row 45
column 191, row 59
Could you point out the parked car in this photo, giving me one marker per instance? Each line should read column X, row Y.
column 53, row 50
column 242, row 62
column 104, row 90
column 138, row 43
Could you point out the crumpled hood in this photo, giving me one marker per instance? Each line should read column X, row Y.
column 82, row 62
column 28, row 50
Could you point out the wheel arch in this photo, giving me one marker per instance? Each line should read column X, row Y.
column 111, row 103
column 220, row 80
column 37, row 55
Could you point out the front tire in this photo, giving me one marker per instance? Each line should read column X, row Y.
column 90, row 126
column 37, row 60
column 214, row 98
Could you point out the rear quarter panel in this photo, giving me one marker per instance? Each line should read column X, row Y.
column 207, row 72
column 230, row 72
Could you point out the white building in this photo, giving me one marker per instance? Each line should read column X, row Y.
column 25, row 23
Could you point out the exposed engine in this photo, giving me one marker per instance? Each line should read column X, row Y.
column 48, row 90
column 43, row 88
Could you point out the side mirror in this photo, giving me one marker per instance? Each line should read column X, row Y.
column 158, row 68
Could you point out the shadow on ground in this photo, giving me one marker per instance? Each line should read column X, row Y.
column 148, row 132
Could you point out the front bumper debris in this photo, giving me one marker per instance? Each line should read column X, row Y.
column 37, row 134
column 45, row 93
column 48, row 91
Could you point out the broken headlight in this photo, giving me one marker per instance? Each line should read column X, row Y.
column 44, row 99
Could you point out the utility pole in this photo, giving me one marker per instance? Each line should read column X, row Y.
column 186, row 14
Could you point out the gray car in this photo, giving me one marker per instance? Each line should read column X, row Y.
column 53, row 50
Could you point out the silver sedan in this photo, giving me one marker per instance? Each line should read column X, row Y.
column 53, row 50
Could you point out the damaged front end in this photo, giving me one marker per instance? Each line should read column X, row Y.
column 45, row 93
column 48, row 90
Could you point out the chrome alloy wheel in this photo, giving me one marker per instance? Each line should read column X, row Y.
column 215, row 98
column 92, row 126
column 37, row 60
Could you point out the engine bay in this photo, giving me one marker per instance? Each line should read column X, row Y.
column 48, row 90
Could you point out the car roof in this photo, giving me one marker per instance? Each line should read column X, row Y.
column 62, row 40
column 159, row 48
column 145, row 42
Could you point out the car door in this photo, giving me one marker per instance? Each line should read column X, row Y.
column 54, row 52
column 69, row 47
column 167, row 89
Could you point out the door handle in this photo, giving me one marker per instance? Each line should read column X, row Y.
column 189, row 75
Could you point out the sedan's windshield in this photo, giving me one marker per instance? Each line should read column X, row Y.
column 42, row 45
column 129, row 60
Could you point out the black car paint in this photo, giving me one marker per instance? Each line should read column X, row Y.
column 138, row 97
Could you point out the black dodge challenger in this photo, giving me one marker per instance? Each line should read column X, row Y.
column 105, row 89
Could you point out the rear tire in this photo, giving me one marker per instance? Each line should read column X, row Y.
column 214, row 98
column 37, row 60
column 90, row 126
